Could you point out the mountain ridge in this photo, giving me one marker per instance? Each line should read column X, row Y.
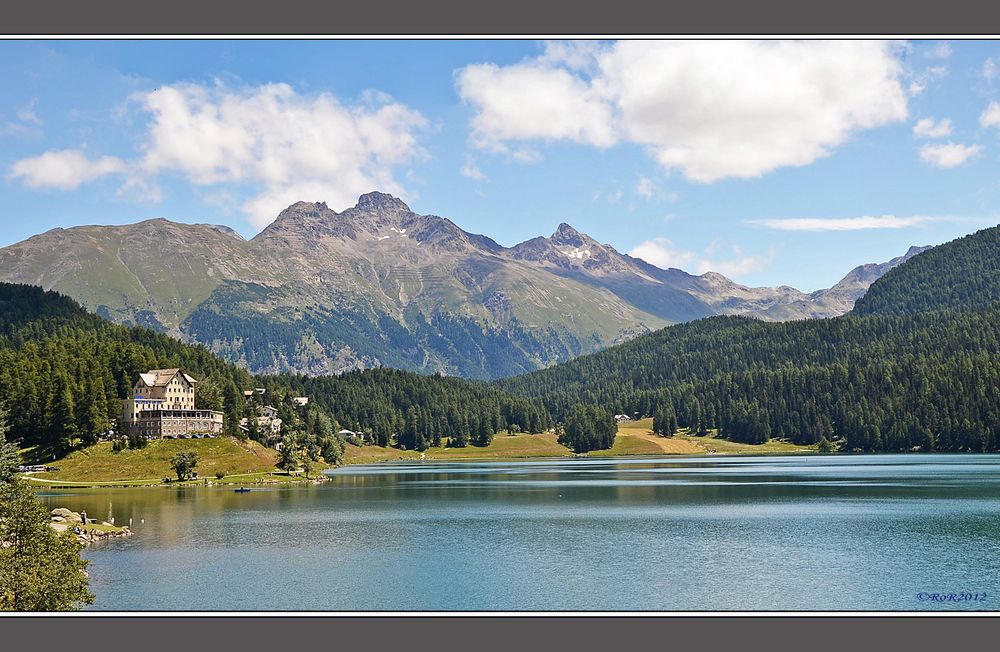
column 377, row 284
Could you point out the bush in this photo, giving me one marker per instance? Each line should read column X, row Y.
column 220, row 475
column 826, row 446
column 119, row 445
column 137, row 441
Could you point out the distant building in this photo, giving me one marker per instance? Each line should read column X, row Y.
column 300, row 401
column 267, row 423
column 622, row 418
column 345, row 433
column 162, row 406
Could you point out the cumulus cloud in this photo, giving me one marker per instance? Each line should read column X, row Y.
column 63, row 169
column 709, row 109
column 291, row 146
column 948, row 155
column 845, row 223
column 990, row 117
column 297, row 147
column 663, row 253
column 928, row 128
column 533, row 101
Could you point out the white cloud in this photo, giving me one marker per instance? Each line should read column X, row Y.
column 471, row 170
column 645, row 188
column 989, row 70
column 711, row 109
column 136, row 188
column 63, row 169
column 295, row 147
column 917, row 87
column 948, row 155
column 575, row 55
column 928, row 128
column 737, row 267
column 298, row 147
column 662, row 253
column 526, row 155
column 990, row 117
column 533, row 101
column 27, row 113
column 845, row 223
column 940, row 51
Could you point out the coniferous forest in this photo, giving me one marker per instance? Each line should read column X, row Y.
column 63, row 372
column 916, row 366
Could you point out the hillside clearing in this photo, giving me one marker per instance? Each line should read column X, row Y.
column 99, row 463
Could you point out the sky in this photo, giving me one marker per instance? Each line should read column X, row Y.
column 772, row 162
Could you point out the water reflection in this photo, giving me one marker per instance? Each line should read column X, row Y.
column 845, row 532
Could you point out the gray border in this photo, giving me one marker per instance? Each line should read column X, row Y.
column 505, row 633
column 460, row 17
column 463, row 17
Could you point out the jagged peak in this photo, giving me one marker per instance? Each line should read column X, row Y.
column 381, row 201
column 565, row 230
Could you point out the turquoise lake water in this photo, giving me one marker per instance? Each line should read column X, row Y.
column 880, row 532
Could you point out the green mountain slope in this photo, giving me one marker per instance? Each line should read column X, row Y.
column 323, row 292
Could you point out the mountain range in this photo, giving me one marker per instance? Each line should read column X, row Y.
column 322, row 292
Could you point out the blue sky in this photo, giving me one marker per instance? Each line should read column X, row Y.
column 774, row 163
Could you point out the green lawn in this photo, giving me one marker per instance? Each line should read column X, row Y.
column 713, row 444
column 503, row 447
column 100, row 464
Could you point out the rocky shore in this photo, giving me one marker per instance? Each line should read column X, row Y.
column 87, row 530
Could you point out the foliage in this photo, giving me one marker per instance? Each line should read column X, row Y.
column 290, row 457
column 588, row 428
column 8, row 451
column 963, row 274
column 184, row 463
column 40, row 569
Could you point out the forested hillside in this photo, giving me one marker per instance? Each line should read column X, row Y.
column 63, row 371
column 963, row 274
column 923, row 375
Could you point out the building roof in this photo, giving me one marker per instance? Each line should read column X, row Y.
column 161, row 377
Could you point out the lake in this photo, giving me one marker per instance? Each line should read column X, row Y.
column 879, row 532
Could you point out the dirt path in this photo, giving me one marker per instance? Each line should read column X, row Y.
column 670, row 445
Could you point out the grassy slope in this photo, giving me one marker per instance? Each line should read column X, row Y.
column 713, row 444
column 249, row 462
column 637, row 438
column 100, row 464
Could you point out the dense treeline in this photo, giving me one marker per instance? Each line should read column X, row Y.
column 929, row 380
column 588, row 428
column 960, row 275
column 63, row 373
column 420, row 409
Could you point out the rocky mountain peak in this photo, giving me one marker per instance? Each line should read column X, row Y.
column 565, row 234
column 380, row 202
